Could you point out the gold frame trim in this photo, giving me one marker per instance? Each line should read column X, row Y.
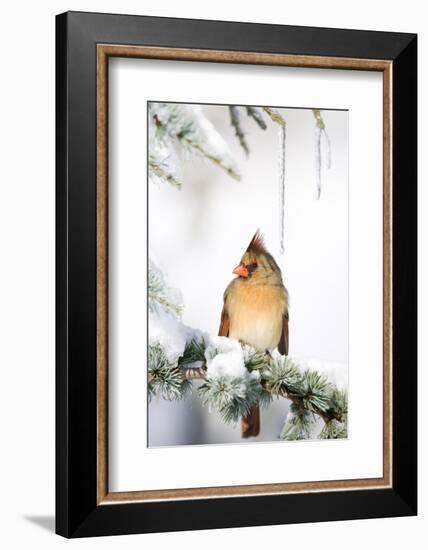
column 104, row 51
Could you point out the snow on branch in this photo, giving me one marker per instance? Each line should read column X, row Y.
column 177, row 129
column 236, row 376
column 160, row 294
column 175, row 124
column 161, row 167
column 235, row 120
column 255, row 113
column 275, row 115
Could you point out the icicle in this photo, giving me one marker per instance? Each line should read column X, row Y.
column 318, row 161
column 320, row 133
column 328, row 145
column 281, row 180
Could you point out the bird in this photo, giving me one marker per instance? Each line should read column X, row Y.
column 255, row 312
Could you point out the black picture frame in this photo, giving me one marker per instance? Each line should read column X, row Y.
column 77, row 512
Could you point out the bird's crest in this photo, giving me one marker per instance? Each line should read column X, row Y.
column 257, row 243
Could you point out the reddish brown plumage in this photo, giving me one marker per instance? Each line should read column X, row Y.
column 257, row 243
column 283, row 343
column 224, row 324
column 250, row 423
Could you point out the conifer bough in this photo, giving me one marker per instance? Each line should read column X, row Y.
column 268, row 376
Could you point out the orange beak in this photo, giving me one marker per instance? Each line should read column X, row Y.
column 241, row 270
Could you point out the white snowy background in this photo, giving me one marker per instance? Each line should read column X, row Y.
column 198, row 234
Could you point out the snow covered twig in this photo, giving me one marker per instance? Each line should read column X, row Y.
column 275, row 115
column 235, row 120
column 233, row 376
column 256, row 114
column 160, row 294
column 236, row 376
column 175, row 124
column 161, row 169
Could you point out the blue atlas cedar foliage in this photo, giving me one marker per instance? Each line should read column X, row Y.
column 310, row 392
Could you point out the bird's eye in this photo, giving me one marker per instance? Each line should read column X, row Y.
column 251, row 267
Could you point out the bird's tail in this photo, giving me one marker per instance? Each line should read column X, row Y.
column 250, row 423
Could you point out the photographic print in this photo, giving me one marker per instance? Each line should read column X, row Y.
column 230, row 274
column 247, row 274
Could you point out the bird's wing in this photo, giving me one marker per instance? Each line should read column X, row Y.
column 224, row 323
column 283, row 343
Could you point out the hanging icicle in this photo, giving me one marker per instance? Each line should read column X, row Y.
column 277, row 117
column 320, row 132
column 281, row 180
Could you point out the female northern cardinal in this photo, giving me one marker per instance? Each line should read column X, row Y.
column 255, row 311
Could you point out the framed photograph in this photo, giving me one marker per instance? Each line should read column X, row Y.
column 236, row 274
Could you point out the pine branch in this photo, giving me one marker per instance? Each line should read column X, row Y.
column 192, row 362
column 165, row 378
column 172, row 124
column 160, row 169
column 256, row 115
column 319, row 121
column 334, row 430
column 230, row 396
column 275, row 115
column 160, row 294
column 235, row 120
column 216, row 159
column 297, row 424
column 266, row 377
